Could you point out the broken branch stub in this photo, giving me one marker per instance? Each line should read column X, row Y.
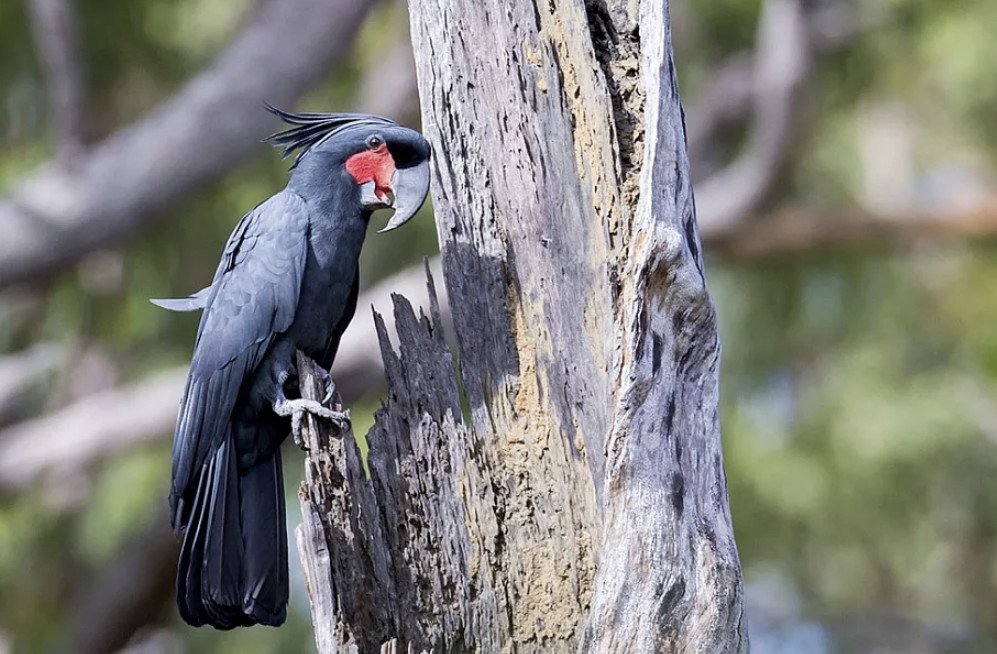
column 389, row 557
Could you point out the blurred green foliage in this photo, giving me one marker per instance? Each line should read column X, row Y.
column 859, row 389
column 860, row 450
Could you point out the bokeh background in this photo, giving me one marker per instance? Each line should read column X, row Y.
column 845, row 156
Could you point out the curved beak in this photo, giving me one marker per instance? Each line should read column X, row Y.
column 410, row 187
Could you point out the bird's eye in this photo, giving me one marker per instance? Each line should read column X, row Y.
column 374, row 142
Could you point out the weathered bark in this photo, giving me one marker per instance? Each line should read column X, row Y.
column 568, row 493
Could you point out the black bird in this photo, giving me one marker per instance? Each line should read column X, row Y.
column 287, row 281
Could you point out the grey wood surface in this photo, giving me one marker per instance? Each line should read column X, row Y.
column 564, row 490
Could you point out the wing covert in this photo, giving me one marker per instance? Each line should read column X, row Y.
column 253, row 298
column 255, row 291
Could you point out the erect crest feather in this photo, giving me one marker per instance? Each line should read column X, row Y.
column 311, row 128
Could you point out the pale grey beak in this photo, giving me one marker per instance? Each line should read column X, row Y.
column 369, row 199
column 411, row 186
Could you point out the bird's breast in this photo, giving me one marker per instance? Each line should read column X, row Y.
column 325, row 294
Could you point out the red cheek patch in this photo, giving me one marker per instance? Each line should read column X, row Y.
column 375, row 165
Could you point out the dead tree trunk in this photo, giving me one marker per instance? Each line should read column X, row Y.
column 564, row 491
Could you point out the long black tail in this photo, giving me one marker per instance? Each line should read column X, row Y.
column 233, row 562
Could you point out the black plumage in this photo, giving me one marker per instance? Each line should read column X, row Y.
column 287, row 281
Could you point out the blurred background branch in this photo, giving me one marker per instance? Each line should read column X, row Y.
column 733, row 88
column 781, row 64
column 23, row 372
column 55, row 216
column 64, row 444
column 55, row 29
column 799, row 231
column 121, row 599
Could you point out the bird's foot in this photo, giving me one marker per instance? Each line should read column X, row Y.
column 298, row 408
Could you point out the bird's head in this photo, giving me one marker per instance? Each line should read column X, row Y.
column 387, row 163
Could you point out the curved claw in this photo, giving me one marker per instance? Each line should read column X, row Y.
column 330, row 387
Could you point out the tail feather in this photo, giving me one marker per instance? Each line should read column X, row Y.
column 192, row 550
column 233, row 562
column 264, row 562
column 221, row 583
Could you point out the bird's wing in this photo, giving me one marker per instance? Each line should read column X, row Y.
column 193, row 302
column 252, row 299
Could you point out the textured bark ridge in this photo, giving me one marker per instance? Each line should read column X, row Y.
column 565, row 490
column 387, row 556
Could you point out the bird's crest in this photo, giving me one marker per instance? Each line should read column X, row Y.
column 309, row 129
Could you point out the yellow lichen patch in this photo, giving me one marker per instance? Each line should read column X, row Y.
column 542, row 556
column 549, row 607
column 535, row 58
column 595, row 327
column 533, row 55
column 588, row 101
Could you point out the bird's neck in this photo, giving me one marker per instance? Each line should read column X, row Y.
column 337, row 222
column 337, row 235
